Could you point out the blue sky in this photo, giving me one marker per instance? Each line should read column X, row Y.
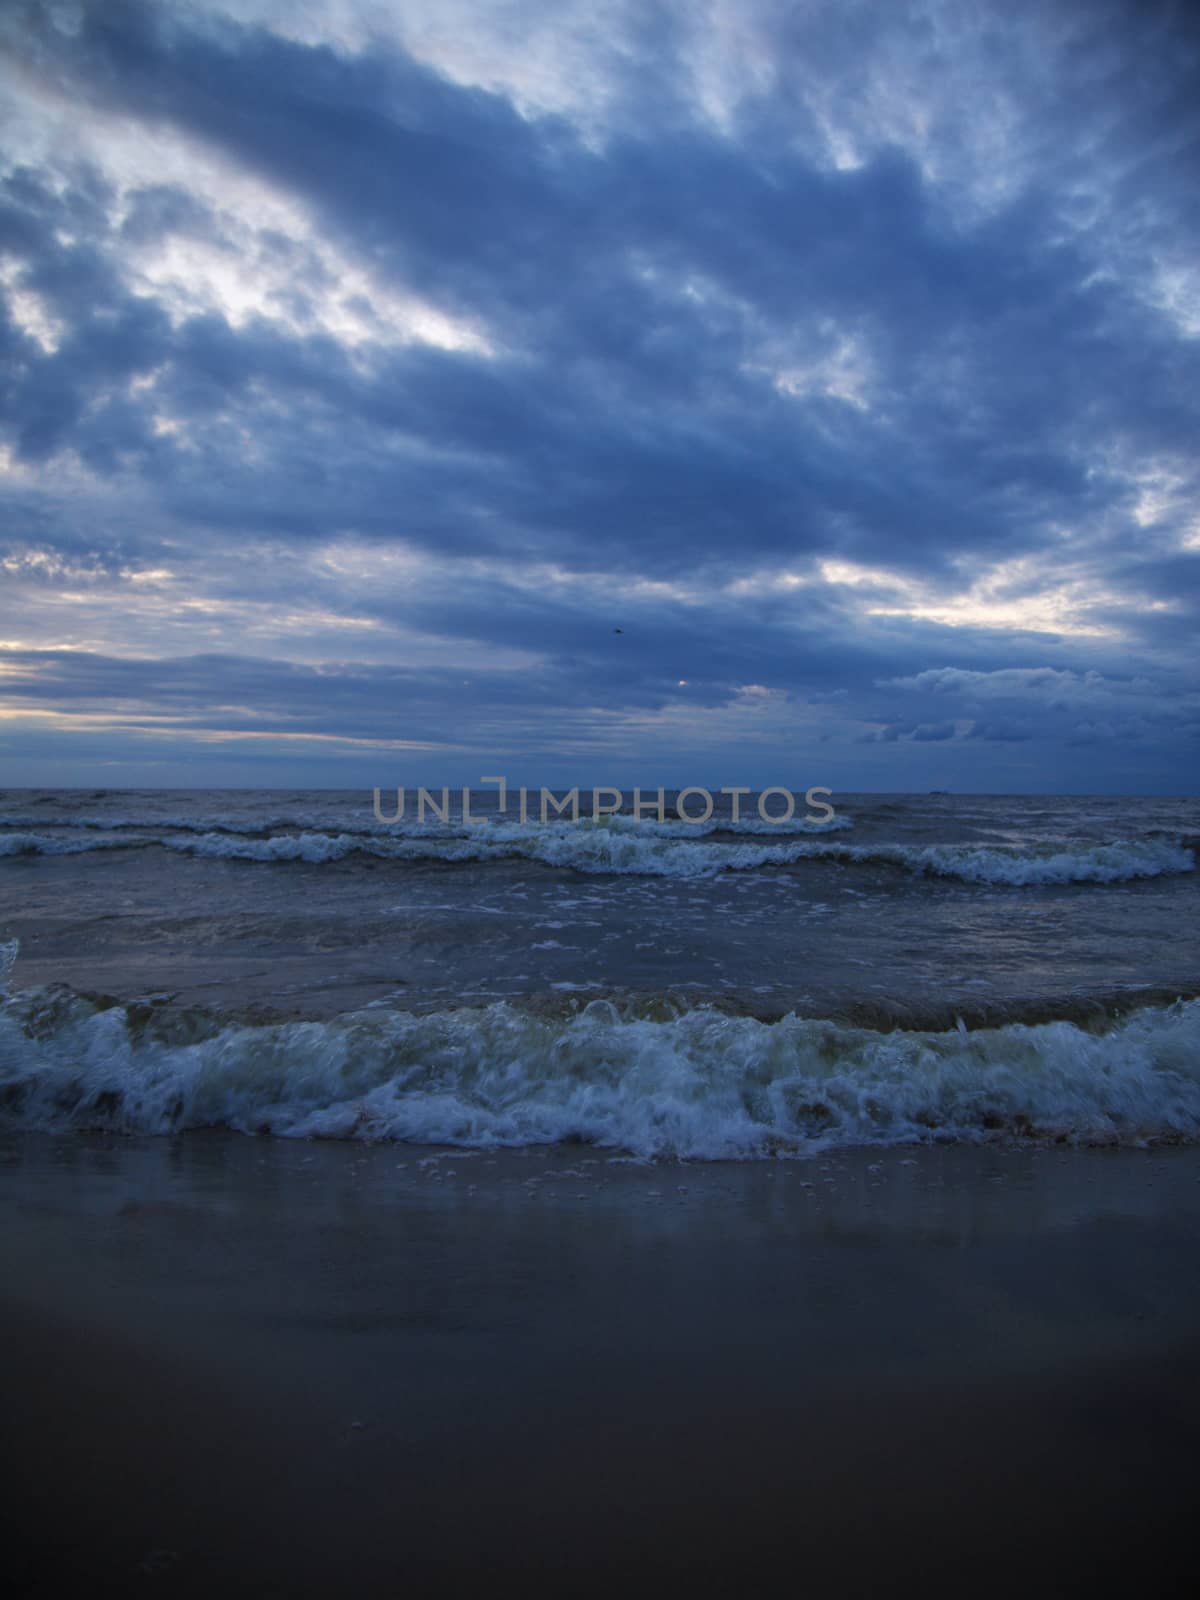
column 366, row 365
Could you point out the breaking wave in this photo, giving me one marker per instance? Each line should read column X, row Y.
column 625, row 846
column 605, row 850
column 1019, row 866
column 698, row 1084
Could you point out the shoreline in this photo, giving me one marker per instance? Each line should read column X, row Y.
column 305, row 1367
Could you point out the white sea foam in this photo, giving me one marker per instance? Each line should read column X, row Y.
column 625, row 846
column 1083, row 863
column 606, row 850
column 700, row 1085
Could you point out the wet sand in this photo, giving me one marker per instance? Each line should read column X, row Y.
column 240, row 1364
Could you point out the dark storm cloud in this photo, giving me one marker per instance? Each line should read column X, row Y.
column 705, row 354
column 482, row 210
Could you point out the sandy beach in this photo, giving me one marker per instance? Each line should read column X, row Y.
column 290, row 1367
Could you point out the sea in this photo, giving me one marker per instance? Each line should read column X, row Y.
column 880, row 970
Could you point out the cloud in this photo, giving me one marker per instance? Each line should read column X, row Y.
column 856, row 360
column 1052, row 686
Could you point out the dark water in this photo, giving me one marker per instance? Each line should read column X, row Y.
column 927, row 912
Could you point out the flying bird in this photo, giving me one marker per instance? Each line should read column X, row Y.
column 618, row 630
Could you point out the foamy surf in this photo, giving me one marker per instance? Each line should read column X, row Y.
column 699, row 1085
column 617, row 845
column 1019, row 867
column 601, row 850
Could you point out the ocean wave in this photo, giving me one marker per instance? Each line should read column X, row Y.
column 698, row 1085
column 604, row 850
column 174, row 824
column 1021, row 866
column 41, row 844
column 623, row 846
column 580, row 846
column 411, row 827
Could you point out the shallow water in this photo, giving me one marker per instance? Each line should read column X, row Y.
column 449, row 971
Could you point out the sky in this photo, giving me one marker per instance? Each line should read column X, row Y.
column 633, row 391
